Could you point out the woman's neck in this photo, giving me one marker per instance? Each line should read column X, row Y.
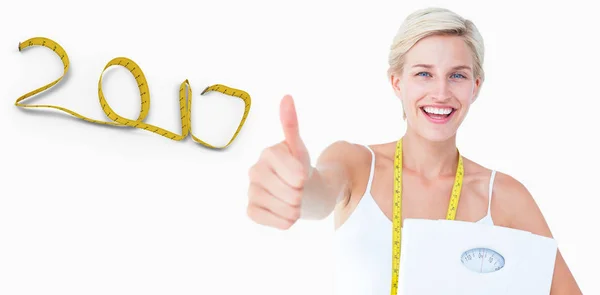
column 428, row 158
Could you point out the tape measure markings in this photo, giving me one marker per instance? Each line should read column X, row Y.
column 185, row 97
column 397, row 209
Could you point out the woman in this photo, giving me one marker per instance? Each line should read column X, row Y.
column 436, row 71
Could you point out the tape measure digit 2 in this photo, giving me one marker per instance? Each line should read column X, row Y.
column 397, row 209
column 185, row 97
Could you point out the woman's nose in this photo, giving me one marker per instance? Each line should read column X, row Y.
column 442, row 91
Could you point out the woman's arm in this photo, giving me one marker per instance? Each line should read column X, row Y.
column 330, row 181
column 524, row 213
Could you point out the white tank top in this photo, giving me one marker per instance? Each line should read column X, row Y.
column 363, row 246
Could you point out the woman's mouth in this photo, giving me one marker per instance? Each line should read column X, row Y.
column 438, row 115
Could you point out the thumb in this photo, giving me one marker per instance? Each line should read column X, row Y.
column 289, row 123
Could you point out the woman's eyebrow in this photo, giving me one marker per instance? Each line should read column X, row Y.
column 428, row 66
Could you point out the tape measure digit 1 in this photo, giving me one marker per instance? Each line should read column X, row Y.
column 397, row 209
column 185, row 97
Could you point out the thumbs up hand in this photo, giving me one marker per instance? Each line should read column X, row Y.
column 278, row 177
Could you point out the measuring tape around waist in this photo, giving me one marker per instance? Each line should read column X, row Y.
column 185, row 97
column 397, row 209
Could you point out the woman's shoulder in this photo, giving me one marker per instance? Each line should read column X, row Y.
column 512, row 201
column 355, row 157
column 359, row 154
column 352, row 155
column 504, row 184
column 349, row 151
column 519, row 204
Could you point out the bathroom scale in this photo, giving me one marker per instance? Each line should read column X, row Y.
column 464, row 258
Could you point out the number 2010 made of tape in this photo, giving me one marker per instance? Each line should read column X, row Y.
column 185, row 97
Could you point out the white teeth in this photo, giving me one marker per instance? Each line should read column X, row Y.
column 438, row 111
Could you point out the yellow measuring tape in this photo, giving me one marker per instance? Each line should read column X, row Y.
column 185, row 97
column 397, row 209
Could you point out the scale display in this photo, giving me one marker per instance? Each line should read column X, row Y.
column 482, row 260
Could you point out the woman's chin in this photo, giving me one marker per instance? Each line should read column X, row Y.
column 435, row 131
column 437, row 135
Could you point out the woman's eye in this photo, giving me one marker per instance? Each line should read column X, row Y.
column 454, row 76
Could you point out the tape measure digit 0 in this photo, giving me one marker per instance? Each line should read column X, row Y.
column 185, row 97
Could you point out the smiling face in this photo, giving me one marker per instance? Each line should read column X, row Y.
column 437, row 86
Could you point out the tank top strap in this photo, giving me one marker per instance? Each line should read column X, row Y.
column 491, row 186
column 371, row 172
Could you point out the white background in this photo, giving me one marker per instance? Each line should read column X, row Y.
column 89, row 209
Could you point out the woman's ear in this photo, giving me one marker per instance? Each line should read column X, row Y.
column 476, row 89
column 395, row 81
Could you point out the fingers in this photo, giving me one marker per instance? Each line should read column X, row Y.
column 266, row 178
column 262, row 198
column 265, row 217
column 272, row 201
column 285, row 166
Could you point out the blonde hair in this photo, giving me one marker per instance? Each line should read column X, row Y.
column 435, row 21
